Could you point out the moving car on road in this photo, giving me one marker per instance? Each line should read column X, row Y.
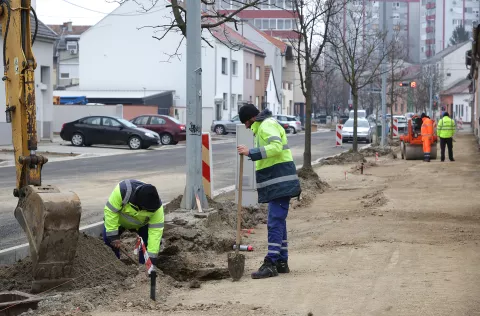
column 108, row 130
column 365, row 131
column 170, row 129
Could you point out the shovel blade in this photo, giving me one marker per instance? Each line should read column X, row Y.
column 236, row 265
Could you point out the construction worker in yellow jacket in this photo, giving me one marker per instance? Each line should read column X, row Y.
column 445, row 131
column 277, row 183
column 134, row 206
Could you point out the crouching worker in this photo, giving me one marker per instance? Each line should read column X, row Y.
column 134, row 206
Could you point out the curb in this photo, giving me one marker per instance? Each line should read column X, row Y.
column 13, row 254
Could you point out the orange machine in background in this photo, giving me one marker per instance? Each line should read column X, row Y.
column 411, row 145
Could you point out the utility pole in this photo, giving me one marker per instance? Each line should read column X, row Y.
column 194, row 185
column 430, row 110
column 384, row 78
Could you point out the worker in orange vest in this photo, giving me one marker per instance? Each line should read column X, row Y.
column 427, row 136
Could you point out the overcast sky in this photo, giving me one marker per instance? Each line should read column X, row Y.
column 80, row 12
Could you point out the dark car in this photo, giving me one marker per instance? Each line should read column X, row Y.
column 170, row 129
column 108, row 130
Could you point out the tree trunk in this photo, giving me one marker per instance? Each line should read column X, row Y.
column 307, row 154
column 355, row 111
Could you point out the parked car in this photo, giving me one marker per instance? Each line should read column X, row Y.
column 293, row 122
column 223, row 127
column 108, row 130
column 360, row 114
column 170, row 129
column 365, row 131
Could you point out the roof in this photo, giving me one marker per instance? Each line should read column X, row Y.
column 227, row 35
column 43, row 30
column 263, row 14
column 120, row 94
column 461, row 87
column 281, row 45
column 76, row 29
column 268, row 70
column 447, row 51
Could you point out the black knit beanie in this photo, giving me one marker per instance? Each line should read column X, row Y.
column 146, row 198
column 247, row 111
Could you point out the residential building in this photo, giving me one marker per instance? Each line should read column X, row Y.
column 458, row 101
column 66, row 54
column 439, row 19
column 42, row 50
column 259, row 82
column 120, row 57
column 272, row 92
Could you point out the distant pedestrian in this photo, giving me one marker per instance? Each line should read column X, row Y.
column 446, row 130
column 277, row 183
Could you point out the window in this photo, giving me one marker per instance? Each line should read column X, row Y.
column 111, row 122
column 224, row 66
column 280, row 24
column 258, row 23
column 288, row 24
column 232, row 101
column 257, row 73
column 157, row 121
column 64, row 75
column 142, row 120
column 288, row 4
column 92, row 121
column 256, row 101
column 240, row 97
column 234, row 67
column 225, row 101
column 246, row 71
column 251, row 72
column 273, row 24
column 265, row 24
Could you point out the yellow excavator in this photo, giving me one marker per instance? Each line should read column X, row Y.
column 49, row 216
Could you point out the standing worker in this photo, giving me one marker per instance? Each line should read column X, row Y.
column 427, row 136
column 277, row 183
column 446, row 130
column 134, row 206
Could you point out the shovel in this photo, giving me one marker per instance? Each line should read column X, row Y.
column 236, row 260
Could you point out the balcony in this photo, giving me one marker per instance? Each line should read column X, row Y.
column 429, row 53
column 430, row 17
column 430, row 29
column 430, row 41
column 430, row 6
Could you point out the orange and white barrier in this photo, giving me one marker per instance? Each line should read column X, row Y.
column 395, row 128
column 207, row 170
column 338, row 135
column 140, row 245
column 460, row 123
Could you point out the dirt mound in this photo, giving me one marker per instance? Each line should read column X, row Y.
column 374, row 199
column 344, row 158
column 94, row 264
column 311, row 185
column 382, row 151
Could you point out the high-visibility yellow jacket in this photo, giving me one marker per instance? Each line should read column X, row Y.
column 119, row 212
column 446, row 127
column 275, row 170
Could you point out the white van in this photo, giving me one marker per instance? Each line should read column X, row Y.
column 360, row 114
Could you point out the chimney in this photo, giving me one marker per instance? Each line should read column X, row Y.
column 67, row 26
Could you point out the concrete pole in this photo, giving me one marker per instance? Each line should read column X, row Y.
column 194, row 185
column 430, row 88
column 384, row 79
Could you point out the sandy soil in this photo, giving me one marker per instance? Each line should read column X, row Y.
column 401, row 239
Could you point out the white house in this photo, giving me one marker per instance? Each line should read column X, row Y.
column 461, row 101
column 121, row 54
column 272, row 92
column 43, row 52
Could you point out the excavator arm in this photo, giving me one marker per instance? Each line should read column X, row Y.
column 49, row 217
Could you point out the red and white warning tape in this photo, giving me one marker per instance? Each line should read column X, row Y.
column 140, row 245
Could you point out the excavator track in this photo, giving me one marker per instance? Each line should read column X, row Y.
column 50, row 219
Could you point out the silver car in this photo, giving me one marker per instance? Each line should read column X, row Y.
column 365, row 131
column 224, row 127
column 294, row 124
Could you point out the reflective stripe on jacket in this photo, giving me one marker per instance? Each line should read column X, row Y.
column 446, row 127
column 427, row 128
column 119, row 212
column 275, row 170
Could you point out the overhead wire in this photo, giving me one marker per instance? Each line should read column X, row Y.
column 136, row 13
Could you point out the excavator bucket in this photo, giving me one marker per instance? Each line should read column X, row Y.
column 51, row 220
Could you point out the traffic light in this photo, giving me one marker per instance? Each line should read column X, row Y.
column 411, row 84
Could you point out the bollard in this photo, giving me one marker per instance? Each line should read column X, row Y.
column 361, row 169
column 376, row 156
column 395, row 128
column 338, row 136
column 207, row 170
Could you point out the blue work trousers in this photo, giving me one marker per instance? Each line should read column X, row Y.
column 277, row 229
column 143, row 232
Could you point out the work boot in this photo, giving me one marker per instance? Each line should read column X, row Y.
column 282, row 266
column 267, row 270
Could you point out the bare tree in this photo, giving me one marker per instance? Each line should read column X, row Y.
column 312, row 25
column 327, row 90
column 357, row 51
column 421, row 93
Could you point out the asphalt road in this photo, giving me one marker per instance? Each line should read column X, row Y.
column 94, row 178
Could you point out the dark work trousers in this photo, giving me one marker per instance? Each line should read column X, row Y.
column 277, row 229
column 449, row 143
column 143, row 232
